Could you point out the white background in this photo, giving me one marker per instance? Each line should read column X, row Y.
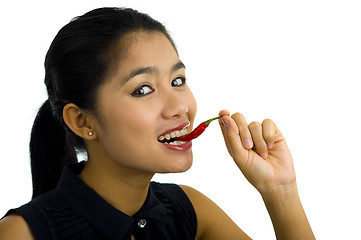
column 296, row 62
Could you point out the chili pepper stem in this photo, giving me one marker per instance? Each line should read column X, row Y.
column 210, row 120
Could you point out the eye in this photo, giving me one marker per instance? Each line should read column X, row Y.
column 179, row 81
column 142, row 91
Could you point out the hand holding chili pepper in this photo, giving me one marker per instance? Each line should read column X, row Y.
column 197, row 131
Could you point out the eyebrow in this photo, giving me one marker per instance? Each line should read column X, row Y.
column 151, row 70
column 178, row 66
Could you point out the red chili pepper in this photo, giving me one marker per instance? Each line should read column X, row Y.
column 197, row 131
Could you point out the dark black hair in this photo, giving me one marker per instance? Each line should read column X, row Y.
column 76, row 65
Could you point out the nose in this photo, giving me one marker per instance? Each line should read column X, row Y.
column 175, row 105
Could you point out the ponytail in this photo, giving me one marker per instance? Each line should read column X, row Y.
column 50, row 150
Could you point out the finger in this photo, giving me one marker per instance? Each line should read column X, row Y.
column 233, row 141
column 268, row 130
column 223, row 129
column 278, row 135
column 221, row 122
column 243, row 130
column 258, row 140
column 224, row 112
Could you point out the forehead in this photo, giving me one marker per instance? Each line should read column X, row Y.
column 147, row 48
column 141, row 50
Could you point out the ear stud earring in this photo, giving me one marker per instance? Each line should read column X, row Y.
column 90, row 133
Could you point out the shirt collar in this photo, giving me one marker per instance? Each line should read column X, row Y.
column 100, row 214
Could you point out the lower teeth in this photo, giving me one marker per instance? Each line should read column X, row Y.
column 176, row 143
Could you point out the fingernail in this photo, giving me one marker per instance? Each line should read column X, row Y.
column 248, row 143
column 264, row 155
column 224, row 122
column 269, row 145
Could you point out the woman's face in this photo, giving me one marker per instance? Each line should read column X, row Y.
column 146, row 98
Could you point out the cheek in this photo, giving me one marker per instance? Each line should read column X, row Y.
column 131, row 122
column 127, row 136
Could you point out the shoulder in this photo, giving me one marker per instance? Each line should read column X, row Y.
column 15, row 227
column 177, row 207
column 213, row 222
column 31, row 220
column 194, row 195
column 201, row 204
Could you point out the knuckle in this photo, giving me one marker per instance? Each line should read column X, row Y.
column 267, row 121
column 237, row 114
column 243, row 128
column 255, row 125
column 261, row 145
column 237, row 117
column 261, row 148
column 268, row 139
column 227, row 134
column 230, row 134
column 268, row 133
column 268, row 130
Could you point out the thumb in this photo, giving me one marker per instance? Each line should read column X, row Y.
column 233, row 141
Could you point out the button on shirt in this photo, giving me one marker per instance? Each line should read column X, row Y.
column 74, row 211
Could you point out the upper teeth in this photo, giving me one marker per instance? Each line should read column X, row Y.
column 173, row 134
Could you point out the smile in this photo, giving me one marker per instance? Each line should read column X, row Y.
column 171, row 137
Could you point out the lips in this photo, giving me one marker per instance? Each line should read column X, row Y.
column 177, row 128
column 169, row 137
column 174, row 132
column 172, row 135
column 179, row 148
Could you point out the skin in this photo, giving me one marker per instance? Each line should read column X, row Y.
column 124, row 153
column 267, row 164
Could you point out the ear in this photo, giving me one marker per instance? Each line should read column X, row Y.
column 80, row 122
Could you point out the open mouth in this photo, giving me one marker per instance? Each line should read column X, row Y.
column 171, row 138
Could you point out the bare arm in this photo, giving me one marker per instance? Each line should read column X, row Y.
column 14, row 227
column 213, row 222
column 267, row 164
column 288, row 217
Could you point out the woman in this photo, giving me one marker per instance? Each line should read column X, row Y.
column 117, row 92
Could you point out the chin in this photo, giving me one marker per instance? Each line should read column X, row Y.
column 179, row 165
column 183, row 168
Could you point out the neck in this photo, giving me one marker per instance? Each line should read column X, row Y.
column 124, row 189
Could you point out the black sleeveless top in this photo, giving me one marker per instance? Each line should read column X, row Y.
column 74, row 211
